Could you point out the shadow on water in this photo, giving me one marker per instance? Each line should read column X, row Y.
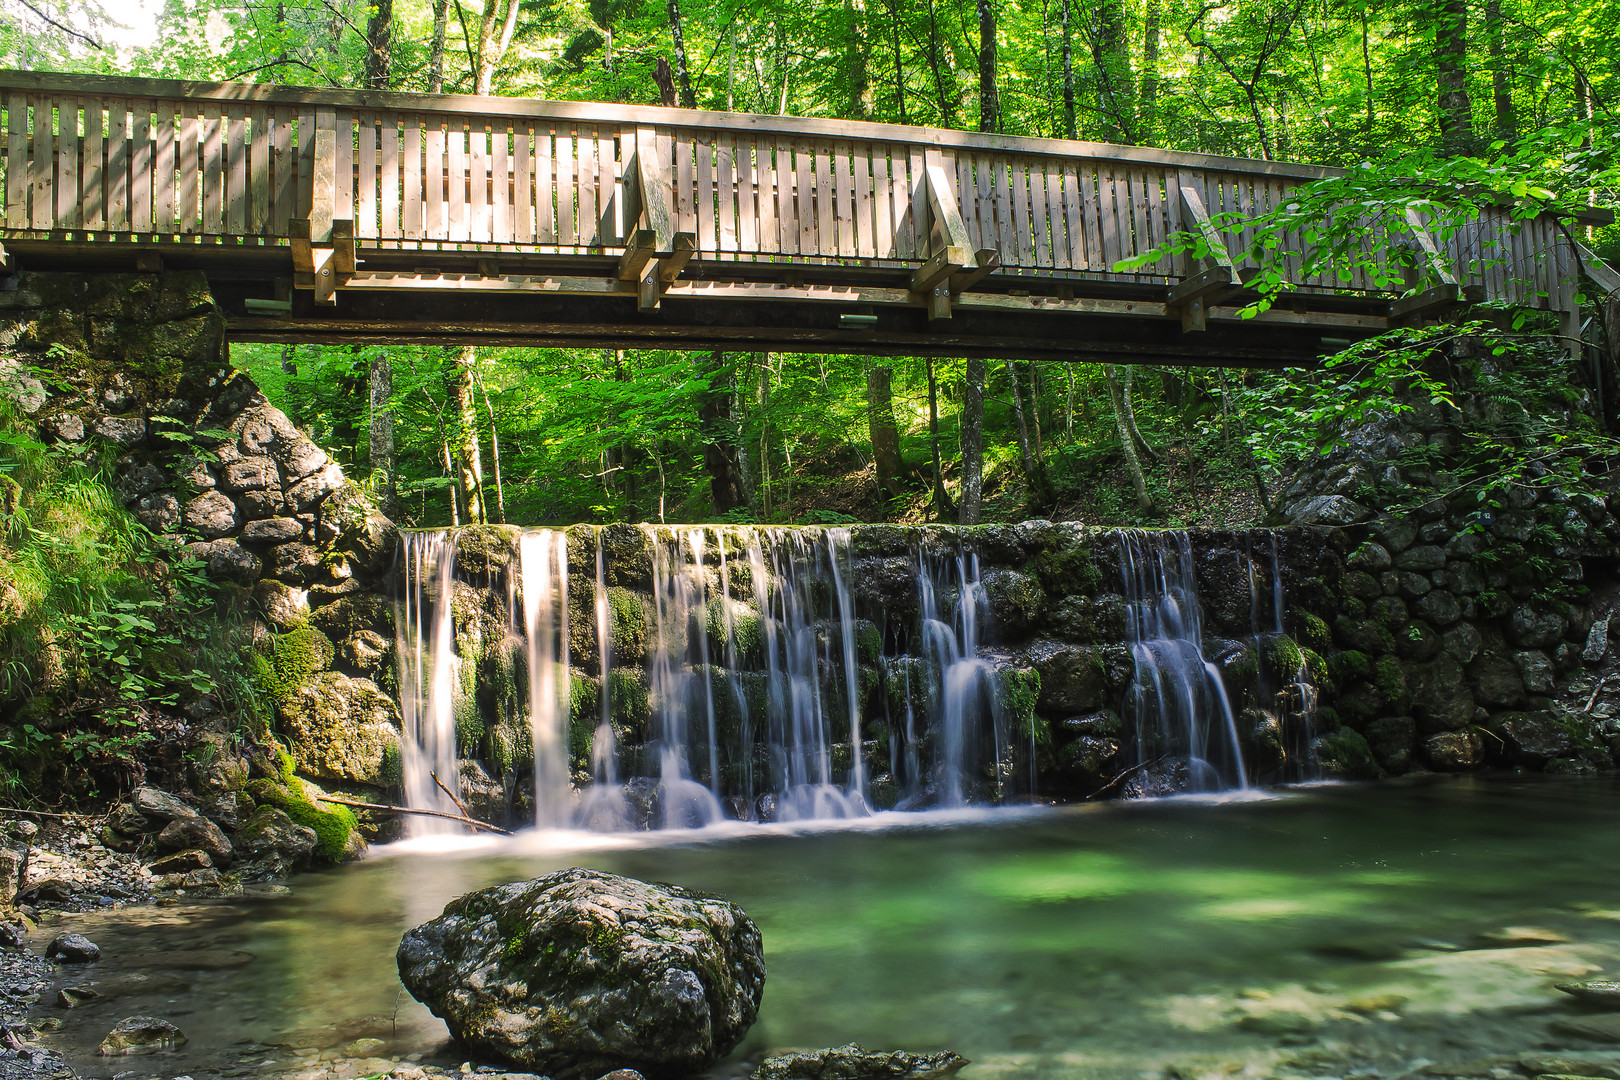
column 1320, row 931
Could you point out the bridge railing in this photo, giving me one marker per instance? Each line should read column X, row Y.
column 113, row 159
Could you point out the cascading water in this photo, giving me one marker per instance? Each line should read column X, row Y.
column 543, row 572
column 428, row 676
column 1185, row 728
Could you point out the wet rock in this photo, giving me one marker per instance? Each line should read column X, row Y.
column 1530, row 627
column 1601, row 1028
column 1597, row 640
column 196, row 832
column 1513, row 937
column 580, row 972
column 1462, row 643
column 1371, row 557
column 270, row 833
column 1392, row 739
column 71, row 997
column 12, row 935
column 1440, row 697
column 1600, row 992
column 1455, row 751
column 156, row 806
column 1015, row 600
column 141, row 1035
column 1423, row 558
column 852, row 1063
column 181, row 862
column 1530, row 738
column 1327, row 510
column 1602, row 1063
column 340, row 728
column 1438, row 607
column 73, row 949
column 1073, row 680
column 1496, row 681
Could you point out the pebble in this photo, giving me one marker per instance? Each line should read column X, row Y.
column 73, row 949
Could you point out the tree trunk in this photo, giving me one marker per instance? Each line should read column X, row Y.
column 1069, row 127
column 942, row 498
column 1068, row 407
column 1507, row 120
column 1129, row 416
column 989, row 95
column 683, row 73
column 972, row 443
column 441, row 18
column 450, row 473
column 494, row 455
column 1366, row 62
column 382, row 434
column 855, row 60
column 1148, row 94
column 469, row 472
column 1144, row 501
column 1451, row 60
column 714, row 419
column 885, row 434
column 899, row 66
column 1038, row 492
column 379, row 45
column 1112, row 52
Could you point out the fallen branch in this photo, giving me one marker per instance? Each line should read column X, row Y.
column 47, row 813
column 1591, row 701
column 1127, row 772
column 459, row 804
column 413, row 810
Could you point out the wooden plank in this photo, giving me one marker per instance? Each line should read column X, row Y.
column 657, row 197
column 458, row 223
column 258, row 220
column 946, row 214
column 826, row 196
column 67, row 176
column 585, row 161
column 1020, row 178
column 305, row 166
column 366, row 223
column 985, row 204
column 422, row 192
column 1108, row 213
column 804, row 205
column 501, row 225
column 1057, row 224
column 523, row 183
column 140, row 168
column 609, row 233
column 16, row 160
column 726, row 184
column 748, row 202
column 1041, row 211
column 42, row 211
column 844, row 198
column 683, row 167
column 478, row 210
column 118, row 150
column 705, row 195
column 189, row 192
column 388, row 178
column 323, row 184
column 967, row 198
column 567, row 179
column 545, row 200
column 787, row 218
column 882, row 203
column 282, row 195
column 768, row 238
column 1074, row 251
column 343, row 166
column 905, row 241
column 213, row 170
column 1001, row 195
column 234, row 130
column 919, row 202
column 865, row 222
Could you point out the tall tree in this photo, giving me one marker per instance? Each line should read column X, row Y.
column 943, row 506
column 719, row 437
column 885, row 433
column 441, row 19
column 1070, row 129
column 1507, row 121
column 1127, row 441
column 989, row 93
column 496, row 26
column 463, row 432
column 1037, row 489
column 383, row 468
column 683, row 70
column 1111, row 51
column 972, row 443
column 379, row 44
column 1451, row 62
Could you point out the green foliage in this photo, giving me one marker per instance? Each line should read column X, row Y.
column 333, row 824
column 292, row 660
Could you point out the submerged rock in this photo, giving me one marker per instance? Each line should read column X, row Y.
column 73, row 949
column 1594, row 992
column 141, row 1035
column 852, row 1063
column 580, row 972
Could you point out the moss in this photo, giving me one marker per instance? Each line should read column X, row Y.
column 40, row 710
column 470, row 727
column 511, row 747
column 1390, row 678
column 868, row 641
column 1314, row 633
column 1345, row 753
column 628, row 625
column 1348, row 666
column 333, row 827
column 1067, row 571
column 1284, row 658
column 629, row 706
column 294, row 658
column 1316, row 668
column 1017, row 690
column 747, row 634
column 393, row 765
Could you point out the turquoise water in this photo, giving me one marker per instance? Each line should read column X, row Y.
column 1324, row 931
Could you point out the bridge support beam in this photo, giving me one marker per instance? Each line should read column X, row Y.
column 1209, row 280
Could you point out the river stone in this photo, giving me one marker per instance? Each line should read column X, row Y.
column 73, row 949
column 1601, row 1028
column 1530, row 738
column 270, row 832
column 1536, row 668
column 1600, row 992
column 1533, row 628
column 1327, row 510
column 155, row 805
column 182, row 862
column 581, row 972
column 273, row 530
column 183, row 834
column 1597, row 640
column 852, row 1063
column 1455, row 751
column 1424, row 557
column 211, row 514
column 141, row 1035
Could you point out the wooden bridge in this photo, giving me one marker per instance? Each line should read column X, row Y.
column 339, row 216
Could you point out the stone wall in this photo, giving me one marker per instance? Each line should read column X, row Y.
column 134, row 369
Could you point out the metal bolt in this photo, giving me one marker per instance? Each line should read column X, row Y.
column 326, row 271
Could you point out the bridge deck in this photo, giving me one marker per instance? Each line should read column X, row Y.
column 325, row 215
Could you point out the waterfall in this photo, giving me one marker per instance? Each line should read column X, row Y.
column 1185, row 728
column 543, row 570
column 950, row 640
column 429, row 677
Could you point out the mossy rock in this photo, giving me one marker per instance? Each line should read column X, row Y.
column 485, row 550
column 334, row 825
column 293, row 660
column 1017, row 691
column 629, row 701
column 1389, row 676
column 747, row 632
column 348, row 615
column 340, row 728
column 1314, row 633
column 628, row 620
column 1067, row 570
column 1350, row 665
column 868, row 641
column 1344, row 753
column 511, row 747
column 1284, row 659
column 626, row 556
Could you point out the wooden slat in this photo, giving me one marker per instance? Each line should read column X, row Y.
column 787, row 219
column 388, row 179
column 16, row 160
column 259, row 172
column 725, row 185
column 435, row 182
column 1007, row 225
column 610, row 232
column 188, row 196
column 500, row 180
column 366, row 223
column 414, row 195
column 545, row 193
column 478, row 203
column 1108, row 215
column 585, row 162
column 305, row 165
column 865, row 216
column 804, row 205
column 343, row 166
column 905, row 242
column 703, row 177
column 213, row 177
column 118, row 149
column 984, row 199
column 1058, row 224
column 749, row 196
column 458, row 225
column 1074, row 251
column 282, row 180
column 1041, row 213
column 67, row 175
column 844, row 198
column 765, row 198
column 42, row 210
column 1019, row 170
column 140, row 168
column 919, row 203
column 236, row 174
column 523, row 184
column 684, row 164
column 826, row 193
column 882, row 203
column 567, row 180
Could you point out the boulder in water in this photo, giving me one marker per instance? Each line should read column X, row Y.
column 141, row 1035
column 73, row 949
column 852, row 1063
column 579, row 973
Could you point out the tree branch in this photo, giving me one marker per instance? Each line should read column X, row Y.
column 65, row 29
